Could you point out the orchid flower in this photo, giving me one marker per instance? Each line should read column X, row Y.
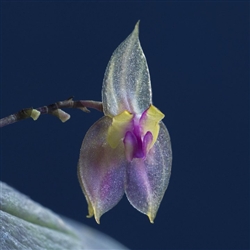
column 128, row 150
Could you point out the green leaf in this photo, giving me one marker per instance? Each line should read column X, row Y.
column 25, row 224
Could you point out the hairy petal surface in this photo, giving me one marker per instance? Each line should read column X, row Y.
column 101, row 169
column 126, row 83
column 147, row 179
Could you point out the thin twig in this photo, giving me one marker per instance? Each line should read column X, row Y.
column 53, row 109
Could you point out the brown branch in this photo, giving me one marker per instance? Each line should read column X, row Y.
column 53, row 109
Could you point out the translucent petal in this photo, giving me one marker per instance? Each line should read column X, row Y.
column 101, row 169
column 147, row 180
column 147, row 142
column 126, row 84
column 130, row 145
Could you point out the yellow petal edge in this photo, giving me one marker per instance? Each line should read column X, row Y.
column 120, row 124
column 151, row 123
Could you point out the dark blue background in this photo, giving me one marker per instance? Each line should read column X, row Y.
column 198, row 56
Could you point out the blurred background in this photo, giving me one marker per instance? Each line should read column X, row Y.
column 198, row 57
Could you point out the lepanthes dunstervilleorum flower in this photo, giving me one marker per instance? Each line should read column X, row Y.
column 128, row 150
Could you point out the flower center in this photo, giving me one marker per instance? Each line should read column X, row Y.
column 138, row 132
